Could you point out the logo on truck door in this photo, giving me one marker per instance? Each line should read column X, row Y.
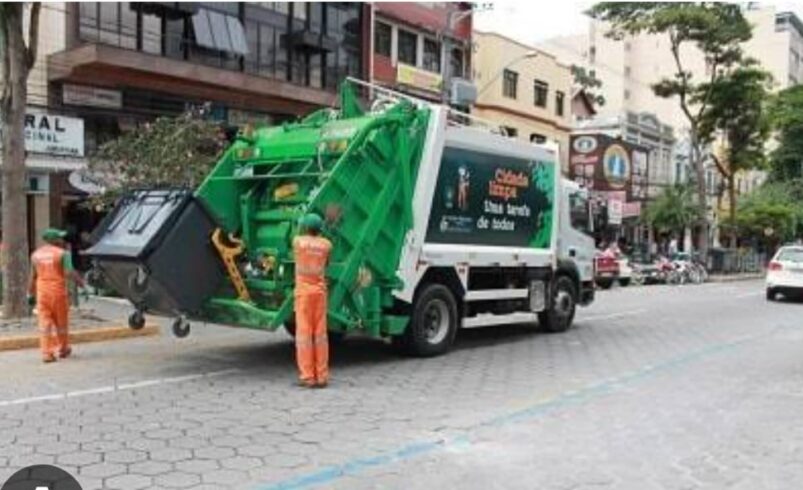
column 486, row 199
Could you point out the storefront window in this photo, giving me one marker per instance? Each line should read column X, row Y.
column 432, row 55
column 408, row 47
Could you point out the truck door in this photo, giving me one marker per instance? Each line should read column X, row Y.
column 575, row 241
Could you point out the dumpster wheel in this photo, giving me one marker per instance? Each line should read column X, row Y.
column 136, row 320
column 181, row 327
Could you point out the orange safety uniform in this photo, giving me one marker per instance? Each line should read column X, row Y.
column 312, row 345
column 52, row 302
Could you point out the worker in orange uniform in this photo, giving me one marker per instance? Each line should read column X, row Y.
column 51, row 264
column 312, row 345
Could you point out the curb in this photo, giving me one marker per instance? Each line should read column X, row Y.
column 18, row 342
column 748, row 277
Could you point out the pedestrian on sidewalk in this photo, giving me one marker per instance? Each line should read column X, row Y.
column 311, row 253
column 51, row 266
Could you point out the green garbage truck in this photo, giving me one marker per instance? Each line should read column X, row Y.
column 438, row 222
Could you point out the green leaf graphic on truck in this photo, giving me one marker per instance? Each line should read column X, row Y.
column 486, row 199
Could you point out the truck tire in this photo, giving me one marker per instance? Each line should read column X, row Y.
column 560, row 315
column 434, row 321
column 604, row 283
column 624, row 282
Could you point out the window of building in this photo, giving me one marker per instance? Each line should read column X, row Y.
column 627, row 46
column 627, row 71
column 219, row 32
column 382, row 39
column 510, row 83
column 456, row 61
column 432, row 55
column 151, row 33
column 559, row 102
column 511, row 131
column 537, row 138
column 299, row 10
column 592, row 54
column 110, row 23
column 408, row 47
column 343, row 22
column 627, row 94
column 540, row 93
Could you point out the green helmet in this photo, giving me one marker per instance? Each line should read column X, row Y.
column 53, row 234
column 311, row 221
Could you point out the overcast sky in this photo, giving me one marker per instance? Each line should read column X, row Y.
column 531, row 21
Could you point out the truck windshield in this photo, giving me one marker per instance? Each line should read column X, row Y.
column 578, row 212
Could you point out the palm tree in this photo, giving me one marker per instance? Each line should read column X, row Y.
column 674, row 210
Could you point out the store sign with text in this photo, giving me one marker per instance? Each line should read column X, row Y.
column 53, row 135
column 415, row 77
column 601, row 163
column 92, row 96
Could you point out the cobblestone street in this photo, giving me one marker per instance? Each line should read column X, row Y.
column 655, row 387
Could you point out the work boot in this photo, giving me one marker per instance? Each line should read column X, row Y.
column 305, row 384
column 50, row 358
column 65, row 353
column 322, row 384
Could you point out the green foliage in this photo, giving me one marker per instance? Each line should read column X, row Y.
column 589, row 83
column 169, row 152
column 673, row 210
column 716, row 30
column 736, row 110
column 786, row 113
column 775, row 207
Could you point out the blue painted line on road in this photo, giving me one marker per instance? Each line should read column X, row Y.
column 358, row 465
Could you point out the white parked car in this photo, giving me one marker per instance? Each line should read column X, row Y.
column 785, row 272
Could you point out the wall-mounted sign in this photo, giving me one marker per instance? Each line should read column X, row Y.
column 54, row 135
column 92, row 96
column 601, row 163
column 414, row 77
column 86, row 182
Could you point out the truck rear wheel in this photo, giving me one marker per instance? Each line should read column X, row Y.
column 560, row 313
column 433, row 325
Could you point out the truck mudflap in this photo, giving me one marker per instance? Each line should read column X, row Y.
column 154, row 249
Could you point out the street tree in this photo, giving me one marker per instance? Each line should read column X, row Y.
column 673, row 211
column 735, row 117
column 769, row 216
column 168, row 152
column 589, row 82
column 18, row 57
column 786, row 114
column 711, row 29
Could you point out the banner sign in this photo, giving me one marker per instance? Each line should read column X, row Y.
column 486, row 199
column 415, row 77
column 601, row 163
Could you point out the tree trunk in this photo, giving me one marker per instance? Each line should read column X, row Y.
column 14, row 203
column 732, row 208
column 702, row 195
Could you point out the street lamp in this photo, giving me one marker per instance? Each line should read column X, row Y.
column 525, row 56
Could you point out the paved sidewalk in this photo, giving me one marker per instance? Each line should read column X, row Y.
column 95, row 319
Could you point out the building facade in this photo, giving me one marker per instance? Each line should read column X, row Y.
column 105, row 68
column 525, row 90
column 649, row 132
column 629, row 67
column 420, row 47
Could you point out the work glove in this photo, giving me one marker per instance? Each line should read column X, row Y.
column 31, row 300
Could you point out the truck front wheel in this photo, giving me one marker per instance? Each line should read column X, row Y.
column 433, row 325
column 560, row 313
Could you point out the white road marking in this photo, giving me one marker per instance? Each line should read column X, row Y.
column 614, row 315
column 117, row 387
